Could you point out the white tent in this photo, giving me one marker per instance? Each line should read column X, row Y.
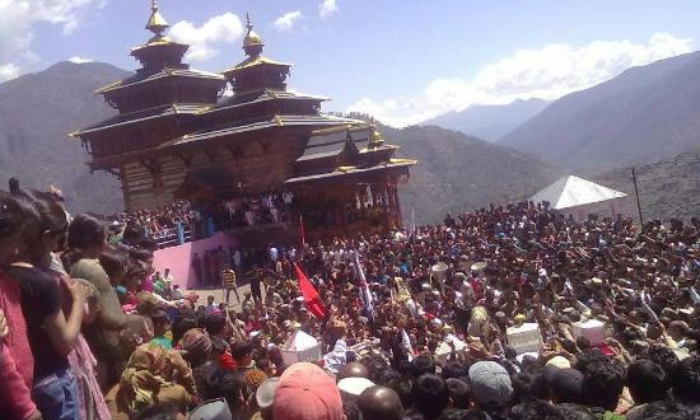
column 572, row 191
column 301, row 347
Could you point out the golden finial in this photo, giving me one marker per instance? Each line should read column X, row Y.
column 252, row 43
column 375, row 137
column 156, row 23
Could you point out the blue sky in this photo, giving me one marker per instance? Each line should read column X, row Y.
column 401, row 60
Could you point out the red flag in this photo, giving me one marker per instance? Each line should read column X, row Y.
column 302, row 233
column 311, row 298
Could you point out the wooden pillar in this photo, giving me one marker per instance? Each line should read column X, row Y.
column 125, row 189
column 398, row 220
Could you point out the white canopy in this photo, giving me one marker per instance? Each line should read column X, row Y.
column 301, row 347
column 572, row 191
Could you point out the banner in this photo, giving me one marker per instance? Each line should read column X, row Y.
column 310, row 294
column 366, row 295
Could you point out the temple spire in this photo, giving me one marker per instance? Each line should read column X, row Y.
column 252, row 43
column 375, row 136
column 156, row 23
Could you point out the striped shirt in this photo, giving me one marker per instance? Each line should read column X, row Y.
column 229, row 277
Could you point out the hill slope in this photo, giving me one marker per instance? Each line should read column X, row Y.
column 37, row 111
column 490, row 122
column 668, row 188
column 457, row 172
column 645, row 114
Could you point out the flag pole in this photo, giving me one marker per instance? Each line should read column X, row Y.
column 414, row 228
column 636, row 193
column 302, row 233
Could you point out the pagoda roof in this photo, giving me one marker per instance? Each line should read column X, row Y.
column 242, row 100
column 143, row 115
column 321, row 157
column 192, row 139
column 353, row 171
column 327, row 140
column 159, row 43
column 269, row 122
column 163, row 74
column 322, row 146
column 254, row 62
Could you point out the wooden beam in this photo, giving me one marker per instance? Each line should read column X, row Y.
column 236, row 152
column 211, row 155
column 115, row 172
column 264, row 145
column 155, row 170
column 186, row 158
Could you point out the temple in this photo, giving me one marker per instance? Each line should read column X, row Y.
column 210, row 137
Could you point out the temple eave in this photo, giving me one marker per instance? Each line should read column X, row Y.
column 276, row 122
column 351, row 173
column 192, row 141
column 164, row 74
column 256, row 62
column 159, row 44
column 227, row 106
column 138, row 117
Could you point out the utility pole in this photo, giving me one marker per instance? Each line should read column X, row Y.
column 639, row 204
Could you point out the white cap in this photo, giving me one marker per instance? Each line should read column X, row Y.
column 355, row 386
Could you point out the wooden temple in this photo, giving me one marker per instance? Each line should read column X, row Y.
column 188, row 134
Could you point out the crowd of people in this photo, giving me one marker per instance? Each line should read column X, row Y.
column 263, row 208
column 183, row 222
column 161, row 223
column 409, row 325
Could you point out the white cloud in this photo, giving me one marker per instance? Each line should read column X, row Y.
column 8, row 71
column 80, row 60
column 17, row 18
column 285, row 23
column 547, row 73
column 327, row 8
column 203, row 40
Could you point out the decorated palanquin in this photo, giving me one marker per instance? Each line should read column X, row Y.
column 188, row 134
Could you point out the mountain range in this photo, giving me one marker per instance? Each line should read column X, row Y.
column 456, row 171
column 490, row 122
column 37, row 111
column 643, row 115
column 667, row 188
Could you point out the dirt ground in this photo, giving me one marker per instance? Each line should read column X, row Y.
column 219, row 296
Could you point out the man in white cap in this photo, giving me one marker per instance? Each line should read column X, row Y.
column 264, row 397
column 354, row 385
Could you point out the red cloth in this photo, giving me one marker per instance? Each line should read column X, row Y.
column 311, row 298
column 15, row 396
column 17, row 340
column 16, row 359
column 226, row 362
column 476, row 287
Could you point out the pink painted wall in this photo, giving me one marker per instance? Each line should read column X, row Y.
column 179, row 258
